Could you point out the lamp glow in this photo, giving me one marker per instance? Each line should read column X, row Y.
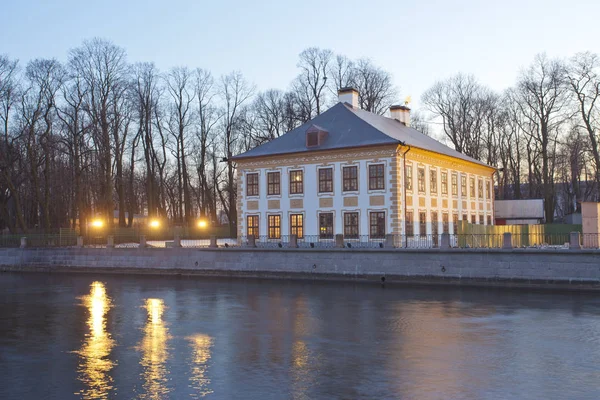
column 202, row 224
column 154, row 223
column 97, row 223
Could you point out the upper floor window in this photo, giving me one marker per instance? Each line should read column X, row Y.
column 350, row 178
column 377, row 224
column 454, row 185
column 488, row 189
column 444, row 183
column 463, row 185
column 421, row 179
column 433, row 180
column 296, row 182
column 480, row 188
column 409, row 177
column 351, row 225
column 251, row 184
column 325, row 180
column 273, row 183
column 472, row 187
column 376, row 177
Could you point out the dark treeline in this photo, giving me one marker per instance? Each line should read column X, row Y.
column 97, row 134
column 543, row 131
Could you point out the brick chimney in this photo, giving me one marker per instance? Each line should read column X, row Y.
column 401, row 113
column 348, row 95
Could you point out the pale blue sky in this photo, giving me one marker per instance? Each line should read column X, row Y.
column 419, row 42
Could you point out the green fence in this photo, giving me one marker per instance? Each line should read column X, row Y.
column 472, row 235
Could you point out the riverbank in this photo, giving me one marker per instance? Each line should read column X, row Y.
column 570, row 269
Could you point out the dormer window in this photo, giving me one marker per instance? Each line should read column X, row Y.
column 315, row 136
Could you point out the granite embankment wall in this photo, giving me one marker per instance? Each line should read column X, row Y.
column 516, row 267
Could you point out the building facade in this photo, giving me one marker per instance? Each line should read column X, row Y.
column 362, row 175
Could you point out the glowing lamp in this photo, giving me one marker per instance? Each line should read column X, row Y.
column 97, row 223
column 154, row 223
column 202, row 224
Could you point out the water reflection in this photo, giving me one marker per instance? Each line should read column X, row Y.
column 155, row 352
column 95, row 366
column 201, row 345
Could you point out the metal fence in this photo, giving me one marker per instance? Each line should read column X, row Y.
column 464, row 241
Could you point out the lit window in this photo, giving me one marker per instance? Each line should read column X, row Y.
column 252, row 225
column 377, row 224
column 463, row 185
column 326, row 225
column 273, row 183
column 480, row 188
column 252, row 184
column 351, row 225
column 296, row 182
column 325, row 180
column 297, row 225
column 274, row 226
column 409, row 177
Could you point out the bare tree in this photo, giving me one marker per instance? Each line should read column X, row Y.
column 312, row 81
column 102, row 67
column 376, row 91
column 463, row 105
column 542, row 96
column 583, row 76
column 179, row 86
column 234, row 92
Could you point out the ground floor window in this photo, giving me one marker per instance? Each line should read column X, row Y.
column 422, row 223
column 297, row 225
column 445, row 223
column 455, row 223
column 326, row 225
column 473, row 219
column 465, row 217
column 351, row 225
column 274, row 226
column 410, row 224
column 377, row 224
column 489, row 219
column 434, row 223
column 252, row 225
column 481, row 220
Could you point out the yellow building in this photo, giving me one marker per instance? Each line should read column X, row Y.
column 352, row 172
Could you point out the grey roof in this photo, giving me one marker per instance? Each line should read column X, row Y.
column 349, row 127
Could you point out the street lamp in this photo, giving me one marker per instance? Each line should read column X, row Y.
column 97, row 223
column 202, row 224
column 154, row 224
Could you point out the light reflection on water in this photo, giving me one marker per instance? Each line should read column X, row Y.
column 95, row 365
column 201, row 345
column 155, row 338
column 155, row 352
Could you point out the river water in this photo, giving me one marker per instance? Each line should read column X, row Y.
column 87, row 336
